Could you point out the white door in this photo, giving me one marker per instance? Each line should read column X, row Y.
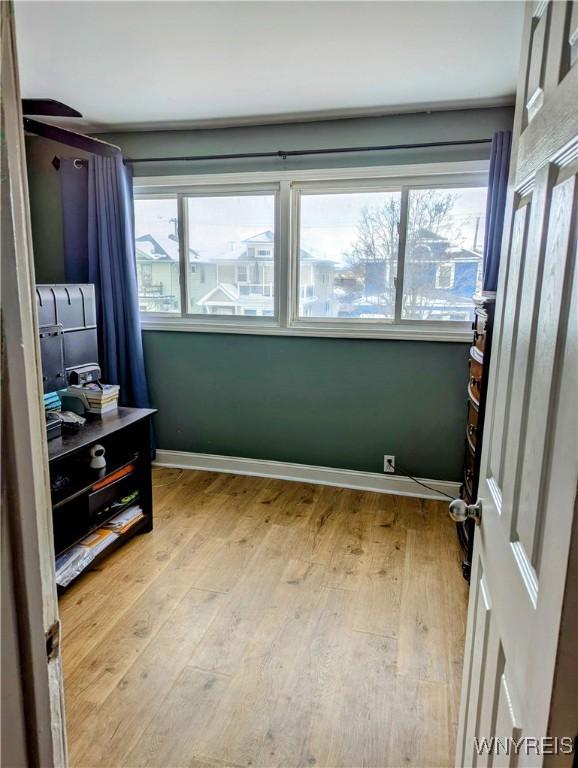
column 529, row 463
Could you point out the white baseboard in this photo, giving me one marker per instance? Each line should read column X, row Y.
column 304, row 473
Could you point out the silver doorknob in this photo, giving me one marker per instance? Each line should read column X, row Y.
column 460, row 511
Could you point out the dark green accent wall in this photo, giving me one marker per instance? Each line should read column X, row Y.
column 329, row 402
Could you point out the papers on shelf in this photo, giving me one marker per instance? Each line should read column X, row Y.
column 72, row 562
column 98, row 540
column 125, row 520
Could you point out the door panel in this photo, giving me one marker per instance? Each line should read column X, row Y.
column 506, row 339
column 529, row 509
column 482, row 618
column 522, row 351
column 537, row 60
column 507, row 723
column 529, row 464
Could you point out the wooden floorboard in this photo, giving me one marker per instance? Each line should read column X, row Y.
column 264, row 624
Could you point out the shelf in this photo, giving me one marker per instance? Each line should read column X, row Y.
column 95, row 429
column 100, row 524
column 79, row 509
column 122, row 539
column 87, row 485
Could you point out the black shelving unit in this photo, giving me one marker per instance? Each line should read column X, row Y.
column 82, row 499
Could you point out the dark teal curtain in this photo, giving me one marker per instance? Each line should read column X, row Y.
column 496, row 206
column 98, row 219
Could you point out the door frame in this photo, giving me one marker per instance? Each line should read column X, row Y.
column 29, row 538
column 27, row 509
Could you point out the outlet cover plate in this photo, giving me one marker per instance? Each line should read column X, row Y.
column 388, row 467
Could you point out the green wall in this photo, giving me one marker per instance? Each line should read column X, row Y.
column 329, row 402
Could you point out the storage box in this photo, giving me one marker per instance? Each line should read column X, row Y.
column 73, row 307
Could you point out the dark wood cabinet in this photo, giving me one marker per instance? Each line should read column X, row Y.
column 477, row 389
column 84, row 499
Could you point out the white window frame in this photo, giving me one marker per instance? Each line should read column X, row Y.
column 287, row 186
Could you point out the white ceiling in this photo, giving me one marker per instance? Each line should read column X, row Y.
column 126, row 64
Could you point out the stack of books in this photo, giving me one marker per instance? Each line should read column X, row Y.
column 51, row 402
column 101, row 398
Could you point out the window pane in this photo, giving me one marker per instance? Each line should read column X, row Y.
column 231, row 253
column 443, row 262
column 157, row 255
column 348, row 254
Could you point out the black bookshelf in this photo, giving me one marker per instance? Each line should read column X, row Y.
column 84, row 499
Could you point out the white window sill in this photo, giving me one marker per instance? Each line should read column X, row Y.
column 409, row 332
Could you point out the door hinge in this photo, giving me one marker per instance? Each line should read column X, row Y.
column 52, row 637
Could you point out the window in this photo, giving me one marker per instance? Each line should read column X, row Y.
column 222, row 231
column 348, row 245
column 443, row 253
column 445, row 275
column 157, row 255
column 353, row 252
column 146, row 275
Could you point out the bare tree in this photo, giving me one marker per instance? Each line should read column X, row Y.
column 372, row 260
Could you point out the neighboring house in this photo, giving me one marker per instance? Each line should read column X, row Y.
column 157, row 274
column 236, row 283
column 241, row 283
column 439, row 281
column 440, row 278
column 157, row 264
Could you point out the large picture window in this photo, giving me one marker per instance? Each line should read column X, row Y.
column 398, row 256
column 231, row 245
column 348, row 250
column 227, row 266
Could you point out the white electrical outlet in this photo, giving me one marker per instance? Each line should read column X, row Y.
column 389, row 464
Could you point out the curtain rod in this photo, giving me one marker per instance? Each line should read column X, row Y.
column 284, row 154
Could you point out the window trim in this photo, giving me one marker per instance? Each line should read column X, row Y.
column 286, row 186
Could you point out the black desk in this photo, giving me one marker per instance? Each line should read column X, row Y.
column 83, row 500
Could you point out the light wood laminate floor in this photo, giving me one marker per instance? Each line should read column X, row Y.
column 269, row 623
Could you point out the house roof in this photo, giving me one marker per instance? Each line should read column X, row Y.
column 228, row 295
column 427, row 234
column 152, row 248
column 263, row 237
column 223, row 293
column 149, row 248
column 160, row 247
column 428, row 245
